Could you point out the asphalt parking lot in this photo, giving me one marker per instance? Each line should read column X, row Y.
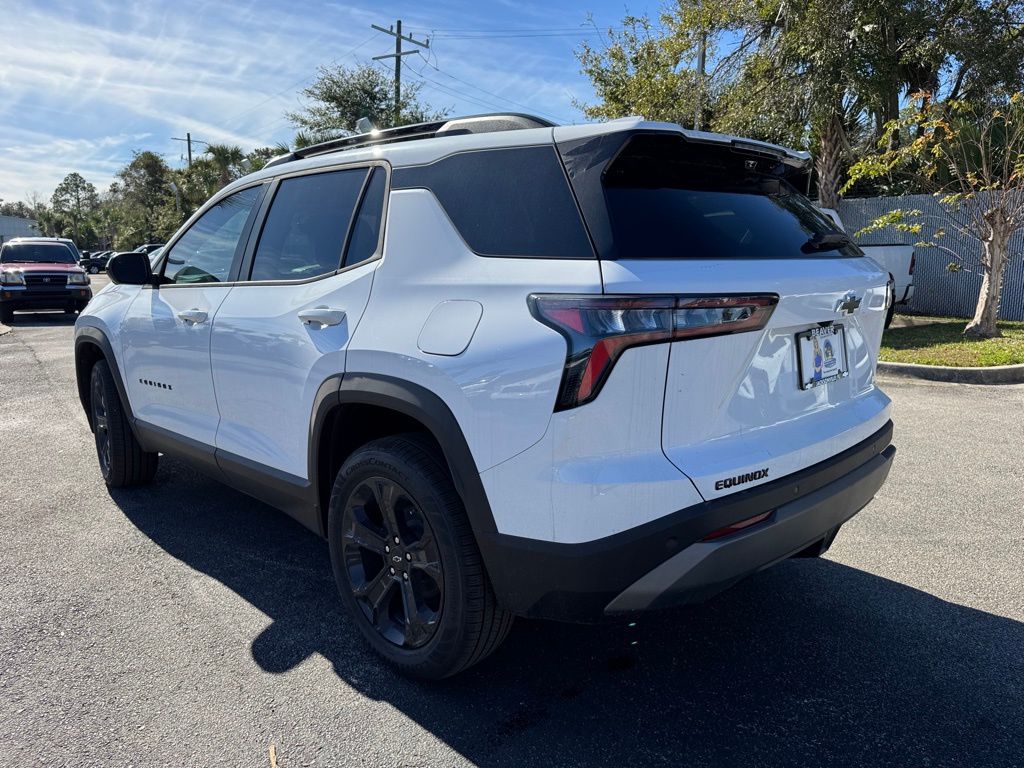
column 187, row 624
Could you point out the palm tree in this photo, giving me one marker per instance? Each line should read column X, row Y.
column 226, row 158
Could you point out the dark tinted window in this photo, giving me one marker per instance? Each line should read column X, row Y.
column 205, row 253
column 671, row 199
column 366, row 229
column 506, row 202
column 40, row 253
column 305, row 230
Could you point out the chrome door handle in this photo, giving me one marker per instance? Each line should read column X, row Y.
column 193, row 316
column 322, row 316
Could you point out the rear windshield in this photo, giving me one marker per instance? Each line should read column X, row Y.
column 669, row 199
column 36, row 253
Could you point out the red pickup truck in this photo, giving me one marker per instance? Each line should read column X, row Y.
column 41, row 273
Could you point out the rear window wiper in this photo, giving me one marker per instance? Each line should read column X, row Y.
column 826, row 241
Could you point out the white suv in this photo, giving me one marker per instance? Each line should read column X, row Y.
column 508, row 368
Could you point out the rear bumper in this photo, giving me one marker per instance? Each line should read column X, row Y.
column 665, row 562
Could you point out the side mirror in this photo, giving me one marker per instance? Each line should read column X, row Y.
column 130, row 269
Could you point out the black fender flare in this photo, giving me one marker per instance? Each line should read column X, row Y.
column 418, row 403
column 91, row 335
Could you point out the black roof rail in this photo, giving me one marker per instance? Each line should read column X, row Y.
column 486, row 123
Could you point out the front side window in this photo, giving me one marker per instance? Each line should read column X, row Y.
column 36, row 253
column 304, row 234
column 206, row 252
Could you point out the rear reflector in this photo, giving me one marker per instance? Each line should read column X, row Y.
column 737, row 527
column 598, row 329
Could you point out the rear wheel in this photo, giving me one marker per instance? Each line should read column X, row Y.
column 406, row 562
column 6, row 314
column 94, row 270
column 122, row 460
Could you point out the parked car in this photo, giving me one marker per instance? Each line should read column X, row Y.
column 895, row 258
column 508, row 368
column 95, row 262
column 149, row 247
column 41, row 273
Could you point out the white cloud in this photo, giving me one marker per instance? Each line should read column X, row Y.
column 83, row 84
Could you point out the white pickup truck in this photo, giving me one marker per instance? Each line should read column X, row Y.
column 895, row 258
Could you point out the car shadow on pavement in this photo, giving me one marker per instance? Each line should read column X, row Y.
column 809, row 663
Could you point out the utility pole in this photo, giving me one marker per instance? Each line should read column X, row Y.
column 396, row 32
column 702, row 53
column 188, row 142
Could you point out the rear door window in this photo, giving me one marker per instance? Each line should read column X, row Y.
column 305, row 230
column 669, row 199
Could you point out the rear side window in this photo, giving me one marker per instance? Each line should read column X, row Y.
column 506, row 202
column 304, row 233
column 366, row 228
column 669, row 199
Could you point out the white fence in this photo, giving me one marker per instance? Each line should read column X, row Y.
column 938, row 291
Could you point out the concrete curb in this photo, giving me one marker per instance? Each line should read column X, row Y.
column 4, row 329
column 996, row 374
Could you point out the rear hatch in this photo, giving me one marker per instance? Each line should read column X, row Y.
column 716, row 224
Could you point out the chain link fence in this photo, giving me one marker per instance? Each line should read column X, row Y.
column 938, row 291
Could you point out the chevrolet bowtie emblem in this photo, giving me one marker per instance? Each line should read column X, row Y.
column 848, row 304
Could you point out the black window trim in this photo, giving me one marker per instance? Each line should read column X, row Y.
column 245, row 267
column 244, row 237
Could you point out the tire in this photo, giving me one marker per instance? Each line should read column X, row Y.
column 123, row 463
column 889, row 314
column 395, row 495
column 6, row 314
column 94, row 270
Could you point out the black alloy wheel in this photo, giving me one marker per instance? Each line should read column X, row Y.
column 101, row 424
column 393, row 562
column 406, row 562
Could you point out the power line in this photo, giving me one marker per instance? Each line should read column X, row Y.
column 490, row 93
column 294, row 85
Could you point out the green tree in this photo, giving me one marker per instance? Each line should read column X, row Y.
column 141, row 196
column 341, row 95
column 971, row 157
column 75, row 199
column 227, row 159
column 817, row 75
column 17, row 208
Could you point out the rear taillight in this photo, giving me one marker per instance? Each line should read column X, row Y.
column 598, row 329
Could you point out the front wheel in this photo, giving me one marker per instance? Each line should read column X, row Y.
column 406, row 562
column 122, row 460
column 6, row 314
column 93, row 270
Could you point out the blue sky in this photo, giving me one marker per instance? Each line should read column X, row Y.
column 84, row 83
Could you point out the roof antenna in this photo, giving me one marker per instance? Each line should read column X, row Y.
column 365, row 125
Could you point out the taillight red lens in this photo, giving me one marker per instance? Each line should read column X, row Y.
column 598, row 329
